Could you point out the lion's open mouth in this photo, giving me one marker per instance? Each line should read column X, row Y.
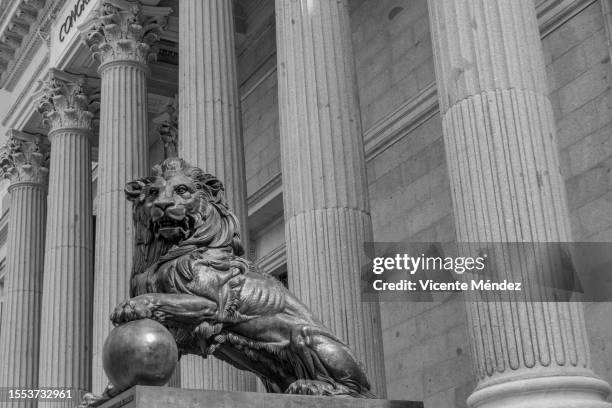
column 172, row 229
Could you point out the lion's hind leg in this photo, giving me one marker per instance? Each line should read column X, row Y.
column 326, row 366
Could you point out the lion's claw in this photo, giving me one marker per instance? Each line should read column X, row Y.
column 131, row 309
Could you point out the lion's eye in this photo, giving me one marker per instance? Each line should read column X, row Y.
column 153, row 191
column 182, row 189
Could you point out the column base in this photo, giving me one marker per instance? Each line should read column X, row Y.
column 544, row 392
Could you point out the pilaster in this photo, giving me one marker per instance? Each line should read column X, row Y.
column 168, row 129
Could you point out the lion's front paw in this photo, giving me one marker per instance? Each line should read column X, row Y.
column 132, row 309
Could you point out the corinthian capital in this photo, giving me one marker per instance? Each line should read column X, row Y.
column 25, row 158
column 125, row 30
column 68, row 101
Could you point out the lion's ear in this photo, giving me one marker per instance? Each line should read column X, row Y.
column 214, row 185
column 134, row 189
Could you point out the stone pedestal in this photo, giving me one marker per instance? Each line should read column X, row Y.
column 23, row 160
column 68, row 106
column 500, row 140
column 211, row 139
column 163, row 397
column 120, row 38
column 326, row 203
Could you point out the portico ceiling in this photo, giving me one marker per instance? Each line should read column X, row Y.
column 22, row 24
column 25, row 24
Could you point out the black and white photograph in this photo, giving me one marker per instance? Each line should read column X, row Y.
column 305, row 203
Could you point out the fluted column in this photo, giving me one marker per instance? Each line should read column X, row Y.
column 211, row 138
column 501, row 146
column 327, row 214
column 24, row 160
column 68, row 105
column 120, row 38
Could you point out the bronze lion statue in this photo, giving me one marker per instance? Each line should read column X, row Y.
column 188, row 274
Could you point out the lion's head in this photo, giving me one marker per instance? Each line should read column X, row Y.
column 180, row 208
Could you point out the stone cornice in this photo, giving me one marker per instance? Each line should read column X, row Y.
column 69, row 101
column 403, row 120
column 122, row 30
column 25, row 158
column 26, row 98
column 554, row 13
column 273, row 260
column 266, row 192
column 268, row 67
column 28, row 23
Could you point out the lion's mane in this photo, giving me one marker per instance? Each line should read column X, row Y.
column 215, row 225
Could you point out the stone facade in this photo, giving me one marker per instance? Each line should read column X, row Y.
column 427, row 352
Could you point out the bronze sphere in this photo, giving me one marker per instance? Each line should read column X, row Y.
column 141, row 352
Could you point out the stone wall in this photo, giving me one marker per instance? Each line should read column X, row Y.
column 261, row 134
column 259, row 97
column 392, row 53
column 579, row 73
column 426, row 344
column 578, row 66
